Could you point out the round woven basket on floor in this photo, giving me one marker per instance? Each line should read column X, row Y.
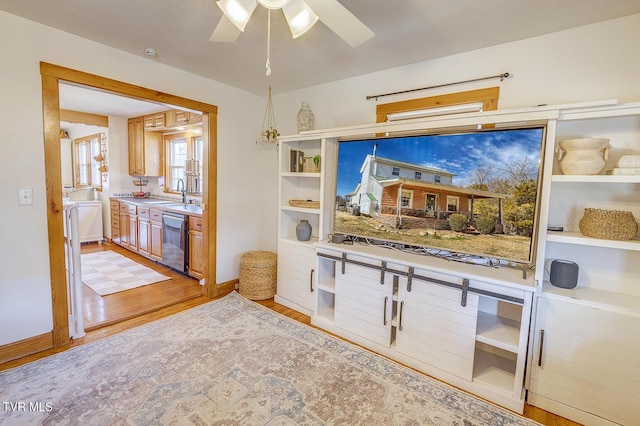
column 608, row 224
column 258, row 275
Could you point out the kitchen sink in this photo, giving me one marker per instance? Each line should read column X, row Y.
column 183, row 208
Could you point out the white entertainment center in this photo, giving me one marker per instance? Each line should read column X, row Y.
column 505, row 334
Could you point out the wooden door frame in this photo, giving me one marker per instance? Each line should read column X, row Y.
column 51, row 76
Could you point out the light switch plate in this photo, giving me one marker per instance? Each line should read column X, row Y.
column 25, row 197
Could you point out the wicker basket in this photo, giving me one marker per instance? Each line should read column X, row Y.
column 608, row 224
column 305, row 203
column 258, row 275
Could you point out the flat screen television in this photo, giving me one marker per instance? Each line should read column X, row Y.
column 467, row 195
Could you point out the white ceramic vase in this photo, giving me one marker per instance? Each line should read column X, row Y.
column 583, row 156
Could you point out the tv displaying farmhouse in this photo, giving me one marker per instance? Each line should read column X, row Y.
column 470, row 192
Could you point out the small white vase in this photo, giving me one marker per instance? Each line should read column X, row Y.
column 583, row 156
column 305, row 118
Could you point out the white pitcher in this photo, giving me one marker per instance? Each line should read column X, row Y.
column 583, row 156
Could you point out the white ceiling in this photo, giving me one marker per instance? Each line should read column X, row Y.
column 407, row 31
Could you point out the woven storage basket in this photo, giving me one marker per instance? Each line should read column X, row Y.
column 258, row 274
column 305, row 203
column 608, row 224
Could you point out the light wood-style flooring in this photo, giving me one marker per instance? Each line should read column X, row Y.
column 100, row 311
column 124, row 307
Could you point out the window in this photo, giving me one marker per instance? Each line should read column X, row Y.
column 436, row 178
column 87, row 153
column 395, row 171
column 418, row 175
column 452, row 203
column 406, row 199
column 183, row 165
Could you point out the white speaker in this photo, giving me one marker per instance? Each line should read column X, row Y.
column 564, row 273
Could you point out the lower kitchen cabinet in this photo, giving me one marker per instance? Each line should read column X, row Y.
column 196, row 248
column 155, row 233
column 585, row 363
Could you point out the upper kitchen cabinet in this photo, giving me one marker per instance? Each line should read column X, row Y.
column 154, row 121
column 144, row 149
column 177, row 117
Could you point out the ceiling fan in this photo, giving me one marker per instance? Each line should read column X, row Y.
column 301, row 15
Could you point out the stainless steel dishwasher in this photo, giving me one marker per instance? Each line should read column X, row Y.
column 174, row 241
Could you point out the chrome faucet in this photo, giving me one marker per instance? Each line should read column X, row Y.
column 179, row 184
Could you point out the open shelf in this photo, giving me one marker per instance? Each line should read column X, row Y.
column 596, row 178
column 494, row 369
column 594, row 297
column 300, row 209
column 326, row 304
column 301, row 174
column 328, row 285
column 578, row 238
column 501, row 332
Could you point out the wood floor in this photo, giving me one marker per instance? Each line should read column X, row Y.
column 531, row 412
column 105, row 310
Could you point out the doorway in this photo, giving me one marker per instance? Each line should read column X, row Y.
column 52, row 75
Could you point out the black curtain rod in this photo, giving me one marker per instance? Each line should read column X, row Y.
column 500, row 76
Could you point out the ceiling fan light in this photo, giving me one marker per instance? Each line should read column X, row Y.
column 273, row 4
column 299, row 16
column 238, row 11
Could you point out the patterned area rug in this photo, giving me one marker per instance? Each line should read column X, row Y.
column 232, row 362
column 107, row 272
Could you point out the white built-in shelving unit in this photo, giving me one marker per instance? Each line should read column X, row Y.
column 570, row 351
column 585, row 341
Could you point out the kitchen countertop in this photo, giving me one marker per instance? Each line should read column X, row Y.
column 160, row 204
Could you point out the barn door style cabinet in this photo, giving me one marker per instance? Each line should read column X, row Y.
column 585, row 344
column 462, row 327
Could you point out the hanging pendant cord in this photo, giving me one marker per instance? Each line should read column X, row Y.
column 268, row 43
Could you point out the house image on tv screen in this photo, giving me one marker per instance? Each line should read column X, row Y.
column 404, row 191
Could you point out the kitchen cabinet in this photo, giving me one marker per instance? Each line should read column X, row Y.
column 196, row 248
column 128, row 222
column 155, row 234
column 176, row 117
column 154, row 121
column 145, row 149
column 144, row 231
column 114, row 208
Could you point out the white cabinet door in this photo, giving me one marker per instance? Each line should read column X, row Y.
column 588, row 359
column 363, row 305
column 296, row 263
column 433, row 326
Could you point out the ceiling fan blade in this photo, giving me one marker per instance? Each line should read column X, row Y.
column 225, row 31
column 341, row 21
